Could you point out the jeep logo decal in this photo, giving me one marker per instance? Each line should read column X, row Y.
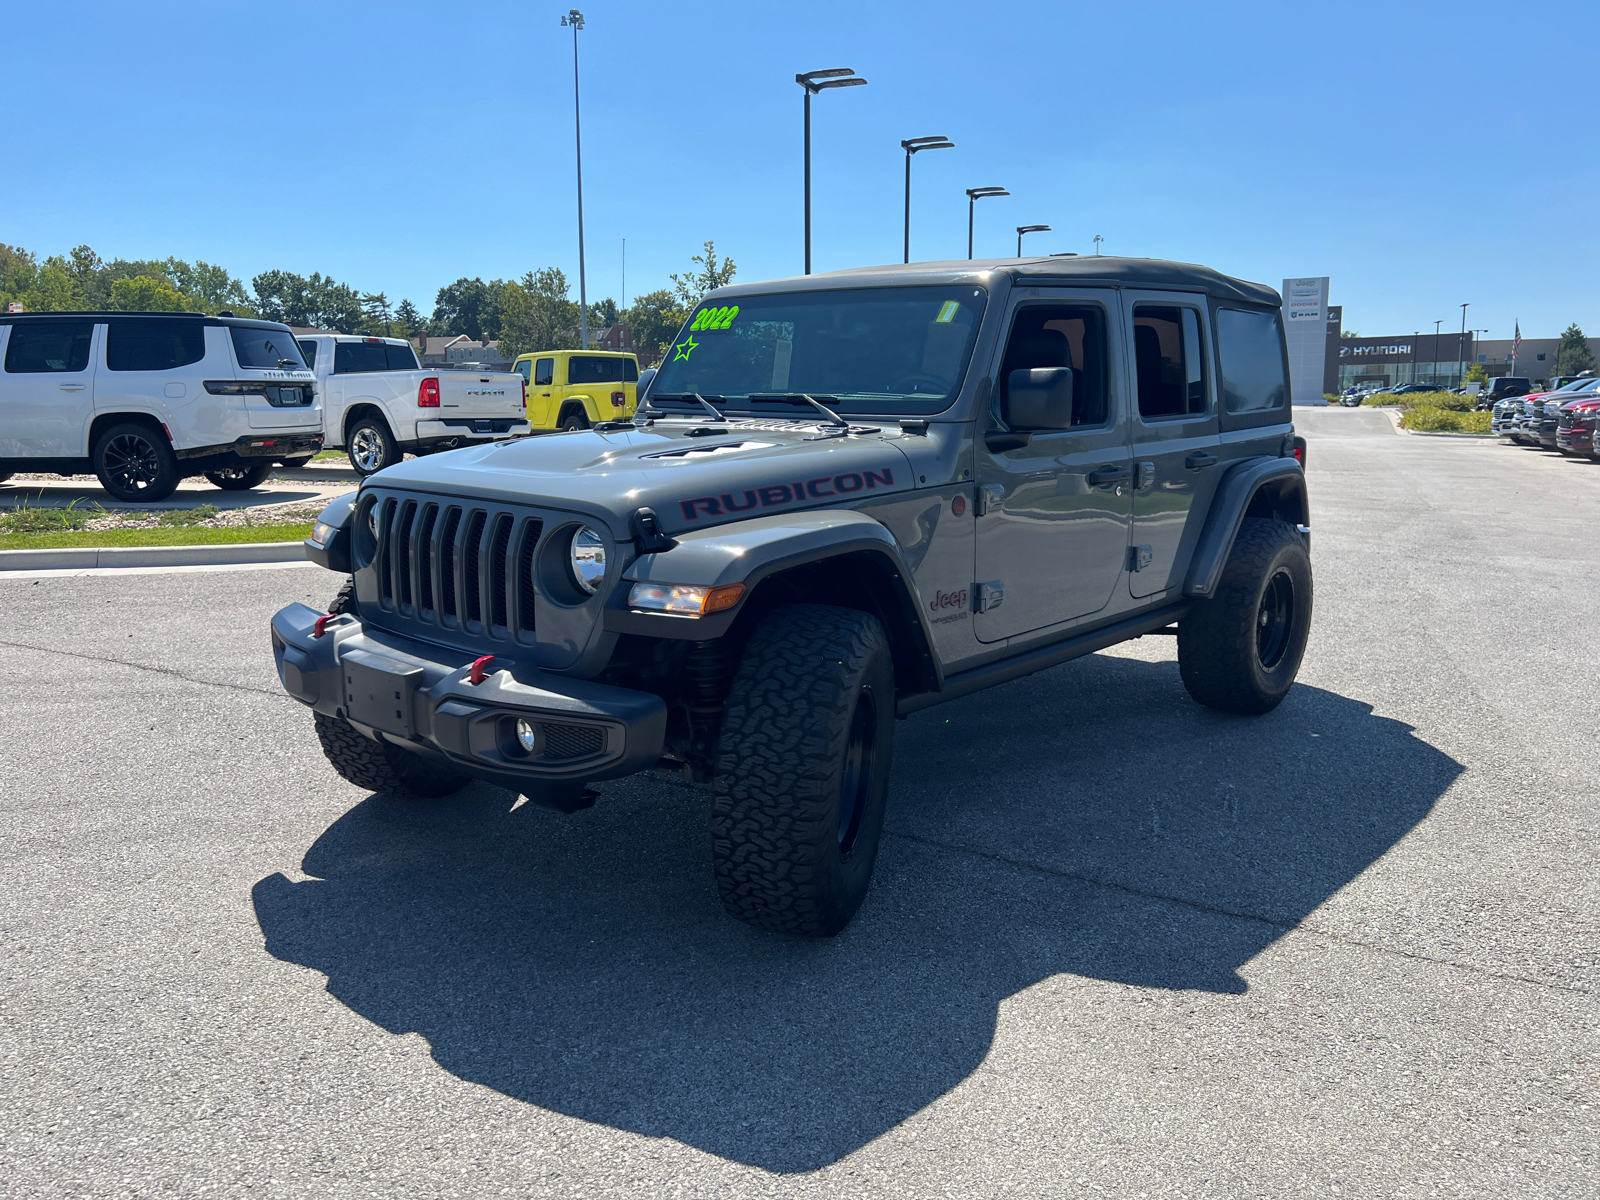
column 779, row 494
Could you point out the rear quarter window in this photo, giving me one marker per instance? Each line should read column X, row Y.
column 38, row 347
column 153, row 345
column 1250, row 348
column 591, row 368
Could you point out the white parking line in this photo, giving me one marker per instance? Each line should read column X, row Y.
column 121, row 571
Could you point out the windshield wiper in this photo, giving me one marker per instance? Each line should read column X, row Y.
column 802, row 398
column 695, row 396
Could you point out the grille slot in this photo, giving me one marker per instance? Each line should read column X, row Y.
column 474, row 589
column 525, row 599
column 386, row 566
column 498, row 547
column 447, row 562
column 408, row 513
column 573, row 741
column 425, row 555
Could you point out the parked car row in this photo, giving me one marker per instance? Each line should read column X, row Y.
column 144, row 400
column 1563, row 419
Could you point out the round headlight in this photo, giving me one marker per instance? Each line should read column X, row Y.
column 588, row 559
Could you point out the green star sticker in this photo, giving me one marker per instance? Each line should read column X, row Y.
column 686, row 349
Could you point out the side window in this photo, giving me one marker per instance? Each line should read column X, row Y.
column 1063, row 336
column 400, row 358
column 1168, row 362
column 308, row 351
column 40, row 346
column 524, row 368
column 544, row 372
column 153, row 345
column 356, row 358
column 586, row 368
column 630, row 370
column 1250, row 346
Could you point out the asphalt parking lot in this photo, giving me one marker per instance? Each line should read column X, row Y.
column 1117, row 945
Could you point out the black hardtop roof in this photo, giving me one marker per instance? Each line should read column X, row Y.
column 246, row 322
column 1075, row 270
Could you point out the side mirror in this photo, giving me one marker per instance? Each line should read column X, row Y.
column 1039, row 398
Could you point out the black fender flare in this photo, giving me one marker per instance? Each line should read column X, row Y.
column 1265, row 487
column 335, row 555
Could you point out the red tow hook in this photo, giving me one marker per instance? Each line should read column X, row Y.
column 475, row 675
column 321, row 627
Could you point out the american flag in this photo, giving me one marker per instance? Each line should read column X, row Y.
column 1516, row 340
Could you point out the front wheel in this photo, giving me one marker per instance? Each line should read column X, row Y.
column 381, row 767
column 240, row 479
column 134, row 463
column 370, row 446
column 802, row 769
column 1239, row 651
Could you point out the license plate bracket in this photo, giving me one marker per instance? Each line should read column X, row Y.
column 378, row 691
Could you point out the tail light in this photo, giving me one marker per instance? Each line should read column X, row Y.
column 1299, row 451
column 428, row 393
column 619, row 399
column 524, row 393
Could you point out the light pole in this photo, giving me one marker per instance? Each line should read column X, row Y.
column 1436, row 325
column 1097, row 240
column 911, row 146
column 973, row 196
column 814, row 82
column 574, row 18
column 1022, row 229
column 1461, row 347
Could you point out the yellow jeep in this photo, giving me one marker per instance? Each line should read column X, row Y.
column 574, row 389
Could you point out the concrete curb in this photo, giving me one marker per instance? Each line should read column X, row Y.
column 89, row 557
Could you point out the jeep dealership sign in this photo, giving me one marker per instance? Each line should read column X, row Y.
column 1305, row 318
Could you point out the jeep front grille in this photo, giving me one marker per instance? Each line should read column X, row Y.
column 454, row 566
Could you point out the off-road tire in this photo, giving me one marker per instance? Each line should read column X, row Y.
column 240, row 479
column 576, row 419
column 344, row 600
column 1229, row 657
column 380, row 767
column 368, row 441
column 135, row 463
column 790, row 733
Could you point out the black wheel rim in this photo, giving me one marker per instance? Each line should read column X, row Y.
column 131, row 462
column 1275, row 620
column 857, row 780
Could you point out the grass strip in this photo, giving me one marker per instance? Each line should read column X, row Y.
column 227, row 535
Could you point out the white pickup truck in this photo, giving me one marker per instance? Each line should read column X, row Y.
column 378, row 404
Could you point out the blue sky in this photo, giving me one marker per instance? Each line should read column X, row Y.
column 1420, row 155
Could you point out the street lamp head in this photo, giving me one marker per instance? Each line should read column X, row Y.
column 833, row 77
column 1033, row 229
column 982, row 192
column 912, row 145
column 573, row 18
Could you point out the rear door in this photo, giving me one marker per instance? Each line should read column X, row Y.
column 1054, row 514
column 47, row 393
column 541, row 394
column 1176, row 458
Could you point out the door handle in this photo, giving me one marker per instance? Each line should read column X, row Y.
column 1106, row 476
column 72, row 387
column 1199, row 459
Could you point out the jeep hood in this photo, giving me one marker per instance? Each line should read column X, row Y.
column 692, row 475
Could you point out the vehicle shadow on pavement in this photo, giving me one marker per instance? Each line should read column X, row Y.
column 1090, row 821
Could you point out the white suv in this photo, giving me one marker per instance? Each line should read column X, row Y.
column 145, row 399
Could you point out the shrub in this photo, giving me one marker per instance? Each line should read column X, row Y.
column 1430, row 418
column 1381, row 399
column 26, row 519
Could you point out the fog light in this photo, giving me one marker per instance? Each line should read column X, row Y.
column 527, row 734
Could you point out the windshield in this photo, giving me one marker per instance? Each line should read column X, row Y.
column 271, row 348
column 873, row 350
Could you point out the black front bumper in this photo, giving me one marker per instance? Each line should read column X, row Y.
column 419, row 696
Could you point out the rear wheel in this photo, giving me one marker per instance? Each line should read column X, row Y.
column 240, row 479
column 802, row 769
column 381, row 767
column 134, row 463
column 575, row 419
column 370, row 446
column 1239, row 652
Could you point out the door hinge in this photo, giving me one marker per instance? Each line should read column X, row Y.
column 1139, row 557
column 1144, row 476
column 990, row 595
column 991, row 498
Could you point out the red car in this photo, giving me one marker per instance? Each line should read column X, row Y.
column 1576, row 429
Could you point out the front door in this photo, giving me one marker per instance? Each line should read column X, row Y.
column 541, row 409
column 47, row 401
column 1052, row 534
column 1176, row 455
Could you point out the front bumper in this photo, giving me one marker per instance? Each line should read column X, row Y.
column 419, row 696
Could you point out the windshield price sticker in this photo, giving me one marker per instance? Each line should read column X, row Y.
column 948, row 312
column 715, row 318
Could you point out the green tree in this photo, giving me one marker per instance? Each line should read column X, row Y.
column 141, row 293
column 209, row 287
column 87, row 272
column 408, row 321
column 1573, row 356
column 602, row 313
column 379, row 318
column 654, row 320
column 468, row 306
column 54, row 290
column 319, row 302
column 536, row 313
column 1476, row 374
column 692, row 285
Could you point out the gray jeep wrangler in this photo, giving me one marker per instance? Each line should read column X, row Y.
column 844, row 499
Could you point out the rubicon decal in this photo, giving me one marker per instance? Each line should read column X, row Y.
column 778, row 495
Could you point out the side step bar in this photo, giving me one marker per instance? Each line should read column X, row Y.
column 975, row 680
